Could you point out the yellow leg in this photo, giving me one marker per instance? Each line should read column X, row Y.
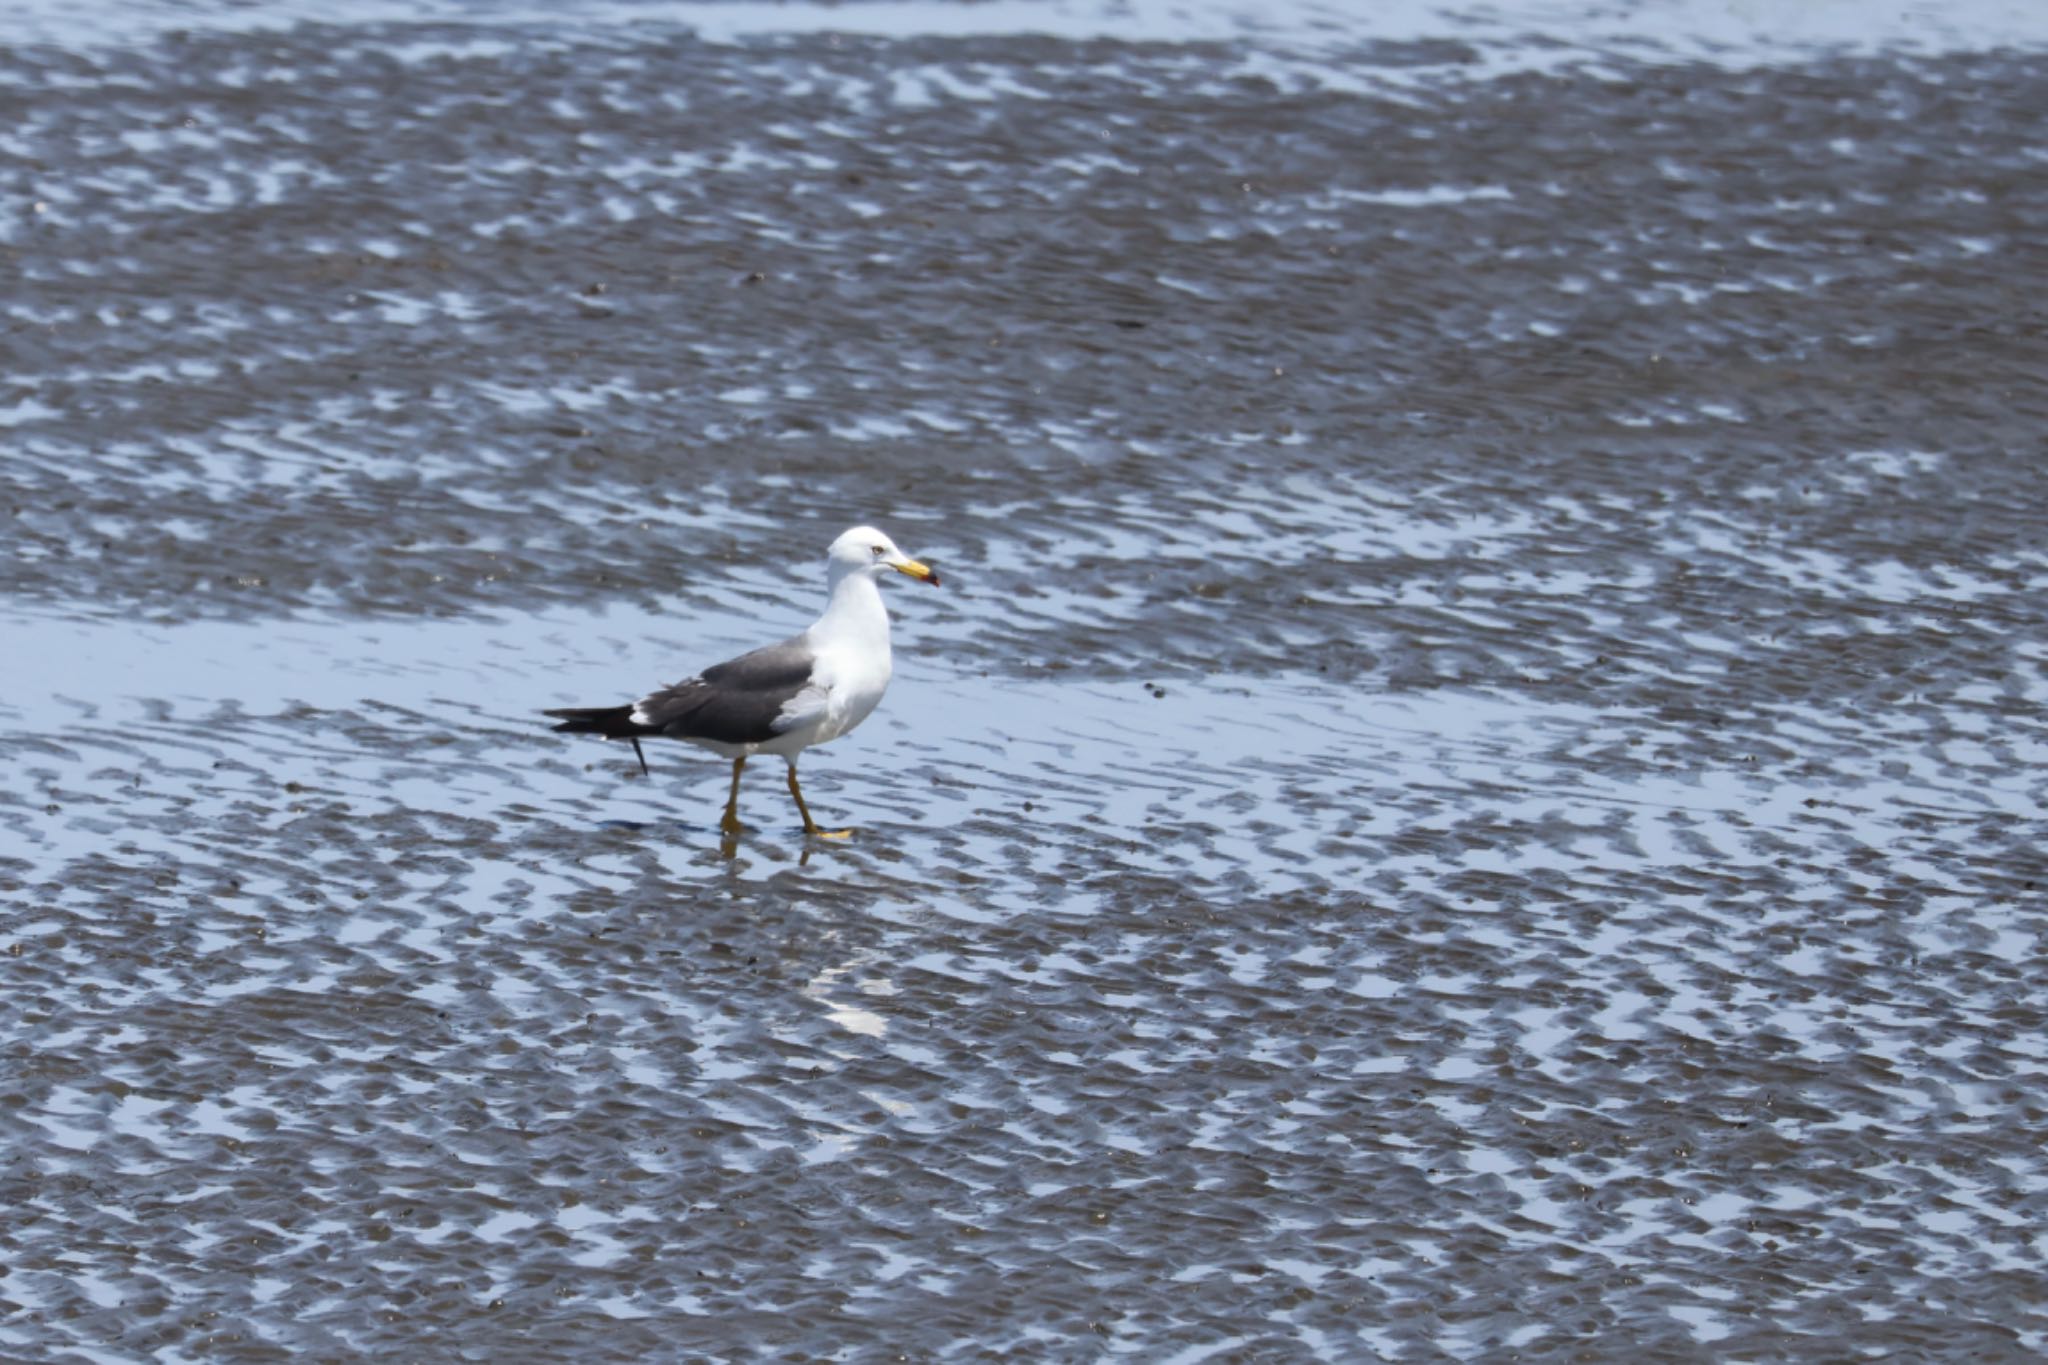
column 731, row 823
column 810, row 825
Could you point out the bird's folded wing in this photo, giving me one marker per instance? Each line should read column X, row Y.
column 741, row 701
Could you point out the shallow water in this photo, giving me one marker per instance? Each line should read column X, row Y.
column 1475, row 788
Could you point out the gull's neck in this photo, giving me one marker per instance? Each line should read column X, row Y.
column 854, row 615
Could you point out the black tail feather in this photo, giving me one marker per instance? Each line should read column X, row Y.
column 612, row 722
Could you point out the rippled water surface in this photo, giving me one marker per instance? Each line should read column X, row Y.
column 1476, row 788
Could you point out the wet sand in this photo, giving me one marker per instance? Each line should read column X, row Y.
column 1475, row 789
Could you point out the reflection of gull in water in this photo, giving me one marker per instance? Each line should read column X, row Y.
column 782, row 698
column 824, row 986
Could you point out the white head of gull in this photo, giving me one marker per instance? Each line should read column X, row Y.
column 782, row 698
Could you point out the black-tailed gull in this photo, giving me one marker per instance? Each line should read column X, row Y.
column 783, row 698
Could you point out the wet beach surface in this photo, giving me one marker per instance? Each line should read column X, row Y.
column 1475, row 789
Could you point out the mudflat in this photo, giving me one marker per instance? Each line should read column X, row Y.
column 1475, row 789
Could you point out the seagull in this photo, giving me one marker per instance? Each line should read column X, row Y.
column 782, row 698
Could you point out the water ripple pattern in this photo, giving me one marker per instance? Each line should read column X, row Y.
column 1476, row 789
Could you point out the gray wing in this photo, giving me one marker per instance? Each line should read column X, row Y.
column 741, row 701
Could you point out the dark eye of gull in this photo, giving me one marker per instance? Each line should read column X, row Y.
column 879, row 552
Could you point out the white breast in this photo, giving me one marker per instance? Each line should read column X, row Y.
column 853, row 665
column 855, row 684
